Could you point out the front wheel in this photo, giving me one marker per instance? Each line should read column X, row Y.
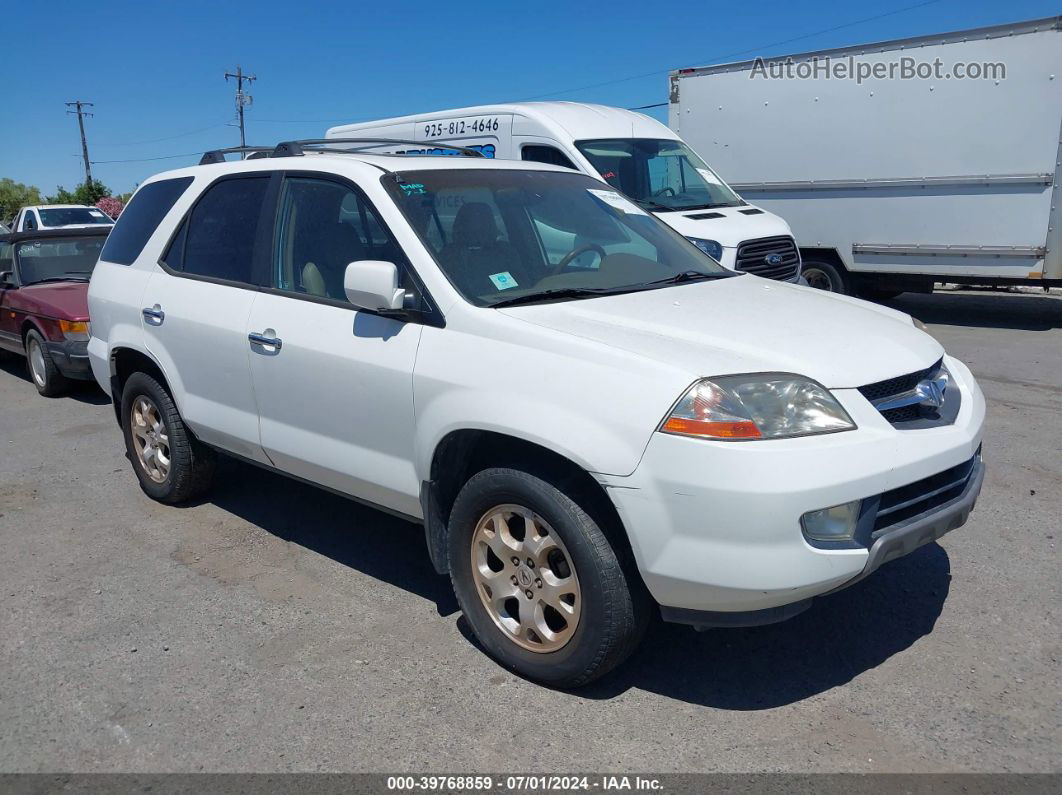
column 826, row 276
column 46, row 376
column 539, row 582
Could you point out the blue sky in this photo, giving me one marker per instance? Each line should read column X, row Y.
column 154, row 70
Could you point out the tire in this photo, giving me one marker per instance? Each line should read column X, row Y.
column 823, row 275
column 42, row 370
column 878, row 294
column 171, row 465
column 607, row 607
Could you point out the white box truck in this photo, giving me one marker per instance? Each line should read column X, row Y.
column 898, row 164
column 633, row 153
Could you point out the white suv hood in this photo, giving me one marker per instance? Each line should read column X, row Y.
column 746, row 324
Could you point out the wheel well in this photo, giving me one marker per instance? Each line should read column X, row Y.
column 27, row 326
column 125, row 362
column 461, row 454
column 829, row 255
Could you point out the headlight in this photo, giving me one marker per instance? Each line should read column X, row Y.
column 763, row 406
column 76, row 330
column 710, row 247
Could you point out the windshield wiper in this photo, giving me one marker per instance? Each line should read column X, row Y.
column 689, row 276
column 651, row 205
column 562, row 293
column 68, row 278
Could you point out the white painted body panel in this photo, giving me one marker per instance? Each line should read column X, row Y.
column 561, row 124
column 779, row 142
column 360, row 403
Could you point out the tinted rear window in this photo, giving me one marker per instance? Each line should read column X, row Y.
column 138, row 221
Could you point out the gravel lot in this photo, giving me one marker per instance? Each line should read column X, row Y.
column 275, row 627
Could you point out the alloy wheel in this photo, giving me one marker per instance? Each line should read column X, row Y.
column 38, row 369
column 151, row 440
column 525, row 578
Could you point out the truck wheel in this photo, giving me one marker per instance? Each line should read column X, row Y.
column 538, row 581
column 823, row 275
column 170, row 464
column 46, row 376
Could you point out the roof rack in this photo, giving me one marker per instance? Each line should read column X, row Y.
column 218, row 155
column 298, row 148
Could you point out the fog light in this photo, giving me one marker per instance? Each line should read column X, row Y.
column 832, row 524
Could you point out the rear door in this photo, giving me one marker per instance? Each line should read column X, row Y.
column 196, row 309
column 334, row 384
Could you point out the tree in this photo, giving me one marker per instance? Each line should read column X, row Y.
column 86, row 193
column 14, row 196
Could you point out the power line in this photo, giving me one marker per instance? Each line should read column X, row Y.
column 242, row 99
column 81, row 114
column 146, row 159
column 739, row 52
column 167, row 138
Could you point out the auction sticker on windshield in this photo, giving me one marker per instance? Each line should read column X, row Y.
column 613, row 199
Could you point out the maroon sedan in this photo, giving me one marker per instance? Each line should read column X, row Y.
column 44, row 279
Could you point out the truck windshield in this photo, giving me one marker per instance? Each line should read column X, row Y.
column 506, row 236
column 57, row 259
column 70, row 216
column 658, row 174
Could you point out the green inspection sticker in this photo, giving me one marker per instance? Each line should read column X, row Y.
column 503, row 280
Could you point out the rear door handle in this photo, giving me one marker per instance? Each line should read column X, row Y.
column 153, row 315
column 265, row 339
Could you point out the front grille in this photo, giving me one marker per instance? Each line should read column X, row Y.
column 752, row 258
column 906, row 502
column 897, row 385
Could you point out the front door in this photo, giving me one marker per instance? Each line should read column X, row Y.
column 334, row 385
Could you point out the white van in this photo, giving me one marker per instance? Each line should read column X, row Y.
column 633, row 153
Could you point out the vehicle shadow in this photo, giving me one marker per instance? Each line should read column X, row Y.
column 983, row 309
column 840, row 637
column 81, row 391
column 371, row 541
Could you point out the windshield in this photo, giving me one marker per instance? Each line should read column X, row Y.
column 501, row 235
column 658, row 174
column 61, row 258
column 66, row 216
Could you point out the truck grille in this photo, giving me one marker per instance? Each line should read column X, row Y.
column 752, row 256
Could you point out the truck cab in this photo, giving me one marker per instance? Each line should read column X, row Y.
column 629, row 151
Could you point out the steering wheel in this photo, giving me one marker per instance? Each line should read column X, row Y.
column 575, row 252
column 665, row 189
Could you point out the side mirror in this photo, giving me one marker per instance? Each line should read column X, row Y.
column 7, row 279
column 373, row 284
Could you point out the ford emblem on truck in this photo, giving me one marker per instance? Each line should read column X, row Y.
column 773, row 259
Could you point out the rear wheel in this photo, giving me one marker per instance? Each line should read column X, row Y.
column 43, row 372
column 823, row 275
column 170, row 464
column 539, row 582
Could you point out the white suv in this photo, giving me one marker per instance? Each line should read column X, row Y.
column 588, row 414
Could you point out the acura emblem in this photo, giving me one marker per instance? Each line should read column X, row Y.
column 932, row 392
column 773, row 259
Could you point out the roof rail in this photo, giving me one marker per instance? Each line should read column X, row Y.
column 218, row 155
column 296, row 148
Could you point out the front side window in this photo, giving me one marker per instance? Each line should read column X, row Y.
column 217, row 240
column 57, row 259
column 540, row 153
column 74, row 216
column 323, row 226
column 500, row 235
column 658, row 174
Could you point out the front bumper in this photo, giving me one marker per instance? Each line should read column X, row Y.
column 715, row 526
column 71, row 357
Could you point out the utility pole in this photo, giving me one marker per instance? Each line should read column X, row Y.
column 242, row 99
column 81, row 114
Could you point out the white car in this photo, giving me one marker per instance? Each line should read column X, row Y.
column 590, row 416
column 59, row 216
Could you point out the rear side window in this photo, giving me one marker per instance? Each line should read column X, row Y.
column 217, row 239
column 30, row 222
column 138, row 221
column 546, row 154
